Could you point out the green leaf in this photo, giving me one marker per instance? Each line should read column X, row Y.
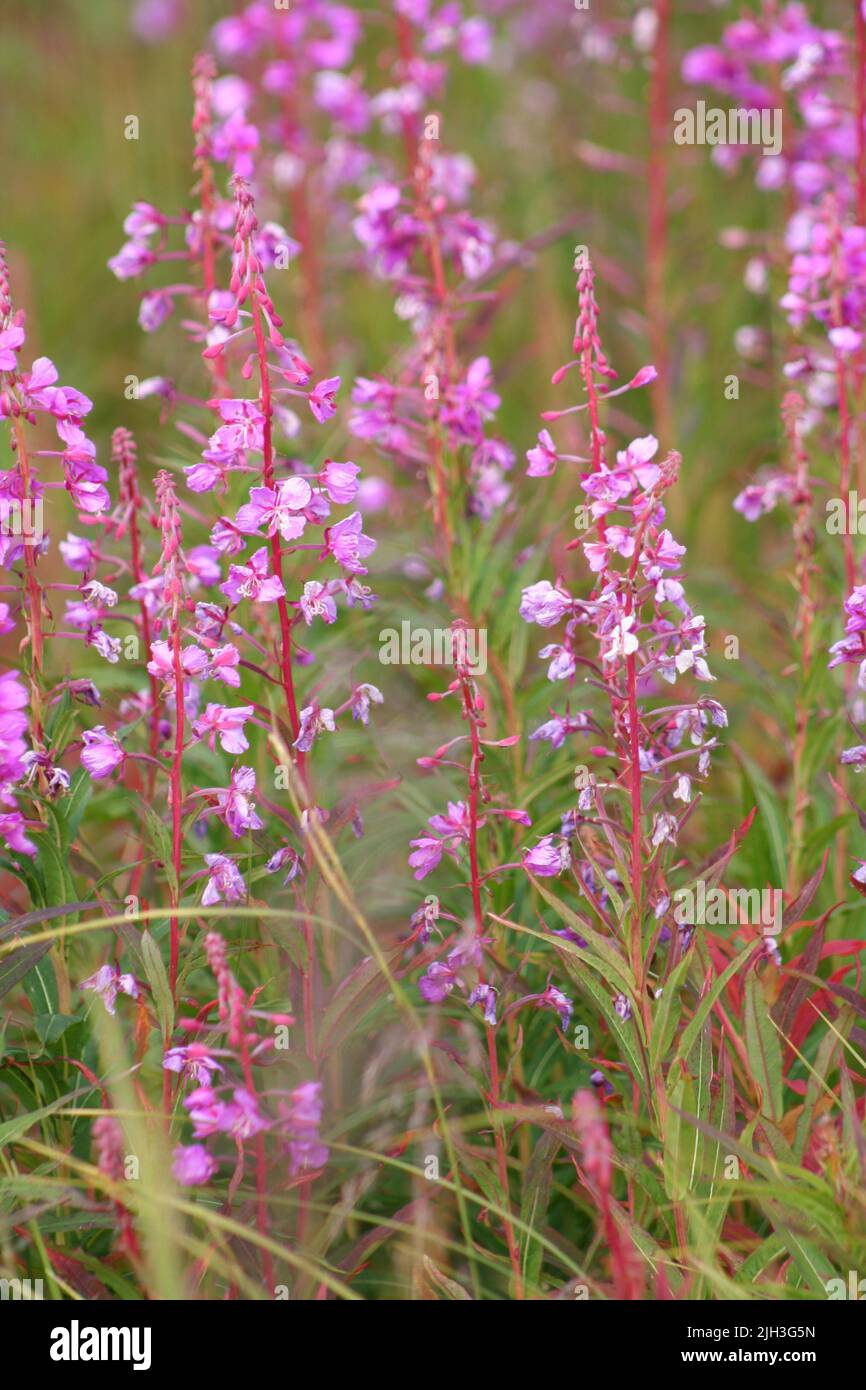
column 690, row 1032
column 771, row 823
column 533, row 1207
column 17, row 964
column 157, row 978
column 159, row 838
column 19, row 1124
column 72, row 807
column 763, row 1047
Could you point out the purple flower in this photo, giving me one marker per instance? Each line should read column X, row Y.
column 225, row 881
column 193, row 1063
column 101, row 753
column 339, row 481
column 313, row 721
column 235, row 805
column 486, row 996
column 551, row 856
column 108, row 982
column 362, row 695
column 543, row 604
column 285, row 855
column 253, row 581
column 227, row 722
column 317, row 602
column 278, row 509
column 302, row 1118
column 348, row 544
column 542, row 458
column 554, row 730
column 553, row 998
column 438, row 982
column 321, row 399
column 192, row 1165
column 622, row 1007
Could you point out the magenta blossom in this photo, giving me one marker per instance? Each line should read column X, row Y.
column 193, row 1063
column 348, row 544
column 551, row 856
column 108, row 983
column 102, row 753
column 322, row 399
column 235, row 804
column 192, row 1165
column 225, row 881
column 227, row 723
column 253, row 581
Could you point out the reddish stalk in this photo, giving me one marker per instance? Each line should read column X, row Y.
column 123, row 454
column 473, row 713
column 285, row 653
column 860, row 99
column 204, row 71
column 34, row 593
column 169, row 565
column 657, row 229
column 792, row 407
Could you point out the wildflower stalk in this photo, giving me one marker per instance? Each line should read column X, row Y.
column 247, row 280
column 33, row 590
column 169, row 566
column 123, row 456
column 203, row 72
column 473, row 713
column 657, row 232
column 804, row 545
column 860, row 109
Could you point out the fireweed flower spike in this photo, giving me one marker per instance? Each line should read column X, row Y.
column 226, row 1103
column 457, row 833
column 645, row 634
column 25, row 395
column 170, row 570
column 822, row 169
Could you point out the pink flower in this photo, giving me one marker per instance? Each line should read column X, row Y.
column 101, row 753
column 225, row 881
column 542, row 458
column 253, row 581
column 427, row 854
column 339, row 481
column 321, row 399
column 108, row 983
column 12, row 829
column 316, row 602
column 11, row 340
column 193, row 660
column 548, row 858
column 348, row 544
column 313, row 721
column 227, row 722
column 234, row 804
column 78, row 553
column 223, row 665
column 278, row 509
column 193, row 1063
column 192, row 1165
column 543, row 604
